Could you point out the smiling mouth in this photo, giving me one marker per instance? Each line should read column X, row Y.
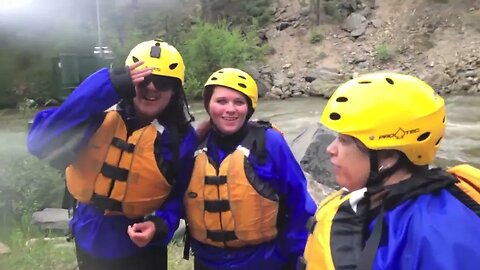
column 150, row 98
column 229, row 118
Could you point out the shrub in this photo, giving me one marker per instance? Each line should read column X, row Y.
column 26, row 184
column 209, row 47
column 383, row 52
column 316, row 38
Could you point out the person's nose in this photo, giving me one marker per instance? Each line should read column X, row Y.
column 230, row 108
column 332, row 147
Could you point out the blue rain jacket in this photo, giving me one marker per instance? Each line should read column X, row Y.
column 431, row 231
column 284, row 174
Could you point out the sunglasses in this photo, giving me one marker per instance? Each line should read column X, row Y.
column 160, row 83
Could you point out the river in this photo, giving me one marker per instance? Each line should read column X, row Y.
column 460, row 144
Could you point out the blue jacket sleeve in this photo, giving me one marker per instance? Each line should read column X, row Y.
column 57, row 133
column 172, row 210
column 291, row 184
column 434, row 231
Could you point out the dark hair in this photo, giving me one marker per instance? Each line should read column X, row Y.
column 402, row 163
column 177, row 113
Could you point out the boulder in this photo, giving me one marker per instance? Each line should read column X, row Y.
column 317, row 191
column 52, row 219
column 309, row 147
column 4, row 249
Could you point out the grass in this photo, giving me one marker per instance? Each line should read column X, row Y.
column 60, row 255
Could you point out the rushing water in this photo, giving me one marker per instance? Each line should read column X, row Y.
column 461, row 142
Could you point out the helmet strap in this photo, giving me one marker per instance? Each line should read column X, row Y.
column 377, row 177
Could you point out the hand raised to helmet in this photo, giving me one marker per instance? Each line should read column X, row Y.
column 138, row 75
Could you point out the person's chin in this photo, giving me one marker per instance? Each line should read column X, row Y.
column 228, row 130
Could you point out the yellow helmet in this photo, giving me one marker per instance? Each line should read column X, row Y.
column 237, row 80
column 389, row 111
column 162, row 57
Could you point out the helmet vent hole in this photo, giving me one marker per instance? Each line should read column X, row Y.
column 335, row 116
column 213, row 78
column 242, row 85
column 390, row 81
column 443, row 121
column 173, row 66
column 364, row 82
column 240, row 76
column 135, row 59
column 438, row 142
column 423, row 137
column 221, row 71
column 342, row 99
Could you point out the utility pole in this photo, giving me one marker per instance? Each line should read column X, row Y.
column 99, row 31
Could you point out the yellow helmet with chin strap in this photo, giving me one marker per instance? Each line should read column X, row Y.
column 389, row 111
column 162, row 57
column 235, row 79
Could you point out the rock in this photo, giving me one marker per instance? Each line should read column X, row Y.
column 297, row 94
column 320, row 88
column 311, row 146
column 276, row 91
column 280, row 80
column 283, row 26
column 376, row 23
column 59, row 242
column 355, row 21
column 4, row 249
column 317, row 191
column 52, row 219
column 357, row 32
column 262, row 88
column 438, row 80
column 304, row 11
column 271, row 96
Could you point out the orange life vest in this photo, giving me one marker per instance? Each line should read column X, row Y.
column 230, row 206
column 119, row 173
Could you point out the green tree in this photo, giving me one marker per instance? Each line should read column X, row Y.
column 209, row 47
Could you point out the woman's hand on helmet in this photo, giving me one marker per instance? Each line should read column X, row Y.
column 138, row 75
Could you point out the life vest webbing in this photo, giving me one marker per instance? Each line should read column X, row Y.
column 123, row 145
column 217, row 206
column 465, row 199
column 115, row 173
column 221, row 236
column 216, row 180
column 105, row 203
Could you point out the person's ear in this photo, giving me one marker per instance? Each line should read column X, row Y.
column 387, row 158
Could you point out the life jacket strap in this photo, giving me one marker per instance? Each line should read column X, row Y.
column 115, row 173
column 104, row 203
column 221, row 236
column 215, row 180
column 123, row 145
column 217, row 206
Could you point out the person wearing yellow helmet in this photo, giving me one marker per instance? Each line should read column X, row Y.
column 247, row 198
column 394, row 211
column 125, row 139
